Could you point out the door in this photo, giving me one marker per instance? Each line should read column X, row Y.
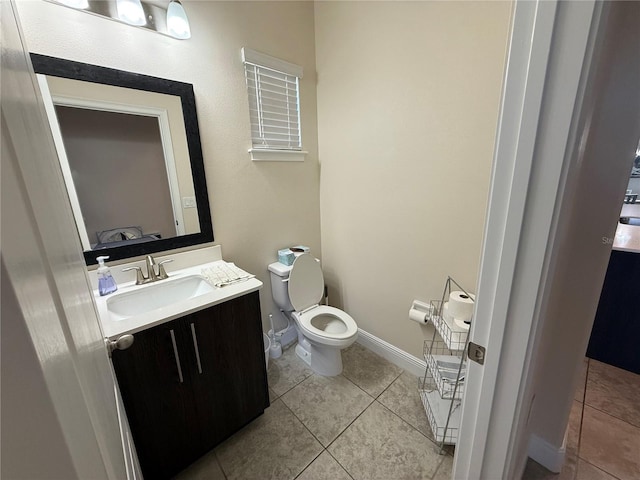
column 569, row 119
column 45, row 266
column 154, row 378
column 228, row 369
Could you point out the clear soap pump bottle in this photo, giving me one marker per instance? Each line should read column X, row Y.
column 106, row 283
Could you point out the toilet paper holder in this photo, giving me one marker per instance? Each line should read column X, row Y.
column 421, row 306
column 420, row 312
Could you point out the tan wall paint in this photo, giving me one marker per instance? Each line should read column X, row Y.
column 408, row 98
column 257, row 208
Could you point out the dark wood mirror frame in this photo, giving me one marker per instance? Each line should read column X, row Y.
column 58, row 67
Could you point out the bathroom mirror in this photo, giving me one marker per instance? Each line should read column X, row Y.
column 130, row 154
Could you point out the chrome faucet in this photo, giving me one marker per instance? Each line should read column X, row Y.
column 151, row 275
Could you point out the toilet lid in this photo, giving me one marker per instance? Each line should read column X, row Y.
column 306, row 283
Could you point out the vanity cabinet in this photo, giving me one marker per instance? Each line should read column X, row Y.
column 192, row 382
column 616, row 328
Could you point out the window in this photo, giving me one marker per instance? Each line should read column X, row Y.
column 274, row 107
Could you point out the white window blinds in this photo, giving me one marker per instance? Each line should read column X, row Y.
column 274, row 102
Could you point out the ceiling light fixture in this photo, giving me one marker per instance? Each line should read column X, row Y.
column 80, row 4
column 177, row 21
column 151, row 15
column 131, row 12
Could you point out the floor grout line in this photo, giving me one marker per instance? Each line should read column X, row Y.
column 421, row 433
column 595, row 466
column 338, row 462
column 438, row 468
column 303, row 424
column 215, row 456
column 307, row 466
column 584, row 396
column 341, row 431
column 326, row 449
column 351, row 423
column 613, row 416
column 579, row 446
column 373, row 400
column 359, row 387
column 389, row 386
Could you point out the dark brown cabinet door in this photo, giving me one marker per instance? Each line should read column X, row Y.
column 229, row 386
column 190, row 383
column 159, row 404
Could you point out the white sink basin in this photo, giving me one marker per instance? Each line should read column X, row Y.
column 156, row 295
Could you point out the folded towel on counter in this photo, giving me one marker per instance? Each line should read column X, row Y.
column 224, row 273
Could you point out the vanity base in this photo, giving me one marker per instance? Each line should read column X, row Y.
column 616, row 329
column 190, row 383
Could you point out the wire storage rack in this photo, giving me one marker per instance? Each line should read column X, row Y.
column 444, row 417
column 444, row 367
column 443, row 384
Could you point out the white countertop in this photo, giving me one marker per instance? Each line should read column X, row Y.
column 113, row 328
column 627, row 237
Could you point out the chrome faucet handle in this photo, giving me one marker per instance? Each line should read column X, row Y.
column 162, row 273
column 151, row 268
column 140, row 278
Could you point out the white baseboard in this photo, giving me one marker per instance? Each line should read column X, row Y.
column 547, row 455
column 398, row 357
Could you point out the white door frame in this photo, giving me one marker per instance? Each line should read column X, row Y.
column 520, row 223
column 531, row 33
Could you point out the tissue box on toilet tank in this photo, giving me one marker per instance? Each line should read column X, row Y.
column 286, row 256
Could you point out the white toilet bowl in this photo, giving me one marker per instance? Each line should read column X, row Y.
column 327, row 330
column 324, row 330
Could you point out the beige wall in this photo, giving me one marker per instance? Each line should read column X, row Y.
column 257, row 208
column 408, row 98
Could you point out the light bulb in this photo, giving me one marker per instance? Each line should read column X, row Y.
column 75, row 3
column 131, row 12
column 177, row 21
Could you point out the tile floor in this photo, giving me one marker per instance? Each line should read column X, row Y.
column 604, row 428
column 369, row 423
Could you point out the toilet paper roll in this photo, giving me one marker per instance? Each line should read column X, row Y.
column 461, row 324
column 461, row 305
column 418, row 316
column 445, row 312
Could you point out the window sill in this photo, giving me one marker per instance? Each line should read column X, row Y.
column 265, row 155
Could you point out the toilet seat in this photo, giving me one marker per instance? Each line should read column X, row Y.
column 306, row 282
column 319, row 323
column 319, row 315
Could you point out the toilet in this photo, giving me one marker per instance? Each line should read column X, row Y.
column 322, row 330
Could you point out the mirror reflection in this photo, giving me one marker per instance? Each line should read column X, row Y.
column 633, row 188
column 130, row 157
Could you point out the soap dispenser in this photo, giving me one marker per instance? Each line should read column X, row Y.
column 106, row 283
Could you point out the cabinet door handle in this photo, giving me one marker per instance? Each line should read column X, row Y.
column 195, row 345
column 175, row 353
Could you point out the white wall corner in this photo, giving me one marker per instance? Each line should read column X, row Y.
column 398, row 357
column 547, row 455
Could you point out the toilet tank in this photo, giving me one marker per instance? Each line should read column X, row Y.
column 280, row 286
